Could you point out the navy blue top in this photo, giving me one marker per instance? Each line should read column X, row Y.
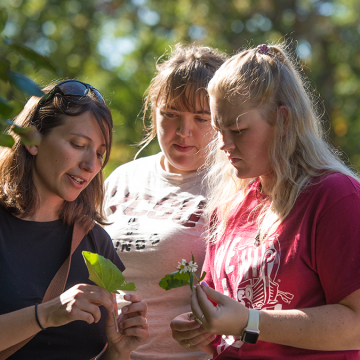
column 30, row 255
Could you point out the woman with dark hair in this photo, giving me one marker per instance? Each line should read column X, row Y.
column 50, row 197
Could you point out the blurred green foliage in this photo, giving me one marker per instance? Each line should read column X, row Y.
column 113, row 45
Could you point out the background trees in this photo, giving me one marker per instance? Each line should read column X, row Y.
column 113, row 44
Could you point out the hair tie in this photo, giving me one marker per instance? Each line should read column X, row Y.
column 37, row 317
column 263, row 49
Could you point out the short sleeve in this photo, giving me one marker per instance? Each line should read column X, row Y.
column 106, row 247
column 337, row 248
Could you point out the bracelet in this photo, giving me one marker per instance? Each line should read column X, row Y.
column 37, row 317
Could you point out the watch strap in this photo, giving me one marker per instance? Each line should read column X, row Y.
column 253, row 321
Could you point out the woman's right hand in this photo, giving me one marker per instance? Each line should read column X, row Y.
column 81, row 302
column 189, row 334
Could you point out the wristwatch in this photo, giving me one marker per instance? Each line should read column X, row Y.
column 251, row 332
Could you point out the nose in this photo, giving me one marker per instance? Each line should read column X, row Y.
column 184, row 128
column 226, row 142
column 89, row 162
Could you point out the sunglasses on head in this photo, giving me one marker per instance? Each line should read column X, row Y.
column 71, row 88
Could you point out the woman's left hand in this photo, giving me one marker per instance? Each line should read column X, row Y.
column 227, row 317
column 133, row 329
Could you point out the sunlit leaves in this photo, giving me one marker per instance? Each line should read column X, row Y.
column 38, row 59
column 105, row 274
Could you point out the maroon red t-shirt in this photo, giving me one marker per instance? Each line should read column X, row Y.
column 312, row 259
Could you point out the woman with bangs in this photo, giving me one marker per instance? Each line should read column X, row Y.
column 282, row 262
column 51, row 195
column 155, row 203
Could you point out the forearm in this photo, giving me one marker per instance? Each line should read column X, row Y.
column 329, row 327
column 17, row 326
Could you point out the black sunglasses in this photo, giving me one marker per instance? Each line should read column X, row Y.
column 71, row 88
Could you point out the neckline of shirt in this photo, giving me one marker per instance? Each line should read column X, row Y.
column 172, row 177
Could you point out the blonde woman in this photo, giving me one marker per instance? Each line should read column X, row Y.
column 284, row 251
column 155, row 203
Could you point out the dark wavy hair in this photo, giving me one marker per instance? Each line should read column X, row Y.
column 17, row 189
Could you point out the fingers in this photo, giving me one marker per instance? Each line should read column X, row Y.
column 184, row 322
column 81, row 302
column 135, row 308
column 134, row 322
column 188, row 333
column 198, row 342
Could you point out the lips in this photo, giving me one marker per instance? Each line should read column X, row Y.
column 233, row 159
column 183, row 148
column 77, row 179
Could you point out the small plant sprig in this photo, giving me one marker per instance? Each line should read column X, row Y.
column 183, row 277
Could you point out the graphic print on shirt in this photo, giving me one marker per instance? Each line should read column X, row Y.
column 255, row 277
column 183, row 210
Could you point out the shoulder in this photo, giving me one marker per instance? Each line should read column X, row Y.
column 131, row 168
column 335, row 184
column 330, row 189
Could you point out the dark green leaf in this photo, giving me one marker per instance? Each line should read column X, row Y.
column 191, row 281
column 6, row 140
column 192, row 256
column 32, row 55
column 174, row 280
column 4, row 67
column 202, row 276
column 5, row 108
column 29, row 135
column 105, row 274
column 24, row 84
column 3, row 19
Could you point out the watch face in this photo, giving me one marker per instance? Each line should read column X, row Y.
column 250, row 336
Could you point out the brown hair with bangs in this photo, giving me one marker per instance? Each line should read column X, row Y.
column 17, row 189
column 181, row 81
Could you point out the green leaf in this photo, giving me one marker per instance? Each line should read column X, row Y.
column 192, row 256
column 6, row 140
column 191, row 281
column 174, row 280
column 5, row 107
column 3, row 19
column 105, row 274
column 24, row 83
column 30, row 54
column 202, row 276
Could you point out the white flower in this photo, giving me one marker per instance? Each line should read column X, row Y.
column 183, row 266
column 192, row 266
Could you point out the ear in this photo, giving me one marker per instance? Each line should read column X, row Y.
column 32, row 149
column 284, row 113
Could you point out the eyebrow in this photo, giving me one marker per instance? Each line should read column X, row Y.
column 221, row 125
column 205, row 112
column 86, row 137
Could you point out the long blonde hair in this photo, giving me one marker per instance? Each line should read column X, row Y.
column 181, row 79
column 266, row 78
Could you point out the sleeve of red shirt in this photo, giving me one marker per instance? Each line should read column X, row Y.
column 337, row 248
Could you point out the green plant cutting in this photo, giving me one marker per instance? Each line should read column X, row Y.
column 183, row 277
column 106, row 275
